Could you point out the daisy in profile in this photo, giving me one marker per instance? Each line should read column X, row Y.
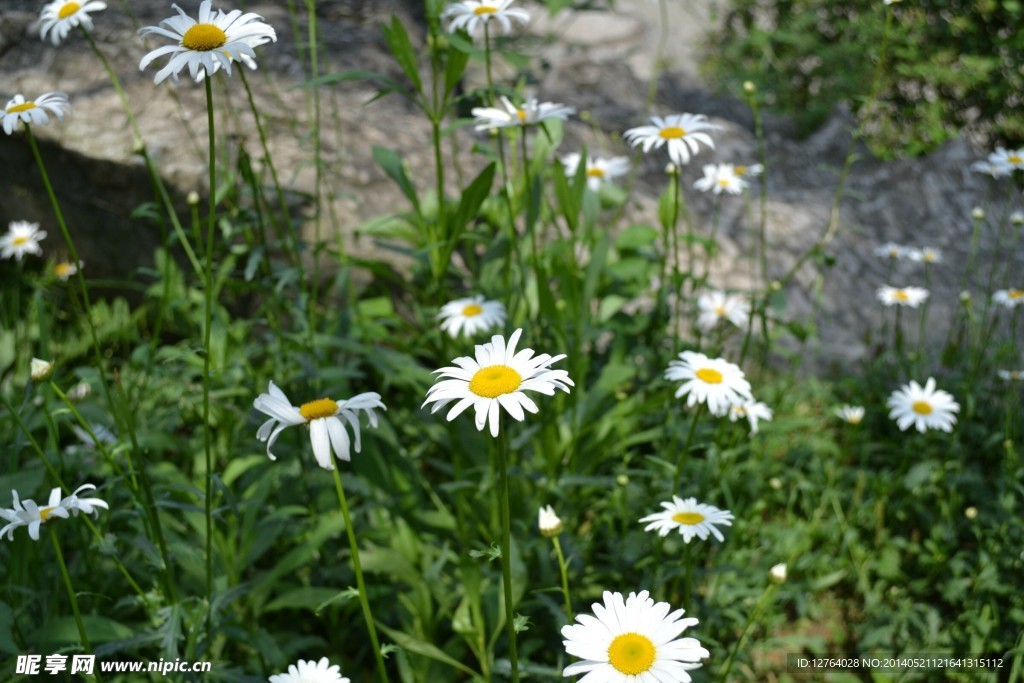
column 497, row 378
column 1012, row 159
column 632, row 641
column 325, row 419
column 891, row 250
column 925, row 255
column 683, row 133
column 28, row 514
column 719, row 178
column 754, row 411
column 924, row 407
column 22, row 238
column 206, row 45
column 1010, row 375
column 716, row 306
column 752, row 170
column 474, row 14
column 902, row 296
column 600, row 170
column 471, row 316
column 690, row 518
column 994, row 170
column 65, row 269
column 1009, row 298
column 714, row 381
column 60, row 16
column 530, row 113
column 311, row 672
column 35, row 112
column 851, row 414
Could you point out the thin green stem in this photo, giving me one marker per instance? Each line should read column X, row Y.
column 314, row 42
column 357, row 567
column 73, row 598
column 686, row 449
column 117, row 85
column 506, row 554
column 563, row 568
column 739, row 641
column 207, row 353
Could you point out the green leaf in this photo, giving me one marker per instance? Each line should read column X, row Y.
column 65, row 630
column 398, row 42
column 595, row 268
column 306, row 598
column 392, row 163
column 456, row 66
column 472, row 199
column 636, row 237
column 420, row 647
column 7, row 645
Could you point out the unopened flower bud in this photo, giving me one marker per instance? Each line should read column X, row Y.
column 749, row 87
column 41, row 370
column 671, row 169
column 977, row 213
column 775, row 483
column 549, row 523
column 971, row 512
column 1017, row 217
column 193, row 198
column 777, row 574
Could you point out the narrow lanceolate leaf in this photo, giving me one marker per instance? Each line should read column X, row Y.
column 472, row 199
column 391, row 162
column 401, row 47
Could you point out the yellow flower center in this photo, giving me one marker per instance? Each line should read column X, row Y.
column 1014, row 294
column 690, row 518
column 495, row 380
column 900, row 295
column 709, row 375
column 62, row 269
column 20, row 241
column 521, row 113
column 595, row 173
column 724, row 182
column 1015, row 159
column 672, row 132
column 44, row 513
column 740, row 170
column 720, row 310
column 67, row 10
column 204, row 37
column 631, row 653
column 922, row 407
column 484, row 9
column 324, row 407
column 854, row 418
column 24, row 106
column 472, row 309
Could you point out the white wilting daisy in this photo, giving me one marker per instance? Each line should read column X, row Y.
column 35, row 112
column 530, row 113
column 28, row 514
column 716, row 306
column 714, row 381
column 753, row 411
column 1011, row 375
column 902, row 296
column 682, row 133
column 1009, row 298
column 548, row 522
column 65, row 269
column 600, row 170
column 720, row 178
column 632, row 641
column 311, row 672
column 924, row 407
column 851, row 414
column 474, row 14
column 690, row 518
column 471, row 316
column 925, row 255
column 496, row 379
column 891, row 250
column 325, row 419
column 22, row 238
column 60, row 16
column 214, row 41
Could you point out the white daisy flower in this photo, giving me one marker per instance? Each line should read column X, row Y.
column 902, row 296
column 851, row 414
column 496, row 379
column 632, row 641
column 27, row 513
column 1009, row 158
column 751, row 170
column 753, row 411
column 40, row 370
column 994, row 170
column 60, row 16
column 682, row 133
column 716, row 306
column 690, row 518
column 471, row 316
column 548, row 522
column 532, row 112
column 600, row 170
column 1011, row 375
column 924, row 407
column 325, row 419
column 474, row 14
column 720, row 178
column 35, row 112
column 65, row 269
column 311, row 672
column 22, row 238
column 925, row 255
column 891, row 250
column 714, row 381
column 1009, row 298
column 214, row 41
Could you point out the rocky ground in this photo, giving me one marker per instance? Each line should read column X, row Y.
column 599, row 62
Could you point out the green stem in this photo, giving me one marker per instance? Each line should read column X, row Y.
column 686, row 449
column 358, row 569
column 117, row 85
column 506, row 554
column 83, row 636
column 564, row 570
column 208, row 320
column 314, row 73
column 739, row 641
